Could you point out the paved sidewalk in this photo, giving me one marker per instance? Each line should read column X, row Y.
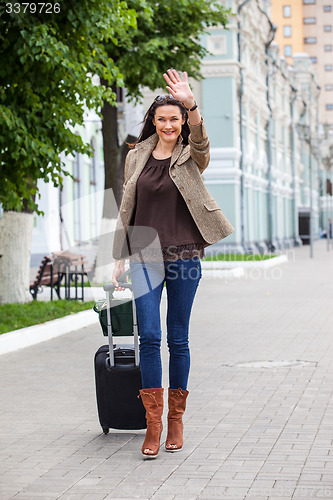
column 260, row 409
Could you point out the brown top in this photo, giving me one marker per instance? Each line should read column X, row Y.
column 160, row 206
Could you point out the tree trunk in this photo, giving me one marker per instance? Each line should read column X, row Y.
column 114, row 161
column 15, row 246
column 111, row 152
column 112, row 196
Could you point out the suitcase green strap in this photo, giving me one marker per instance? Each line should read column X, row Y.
column 99, row 305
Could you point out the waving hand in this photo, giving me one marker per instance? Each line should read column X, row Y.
column 179, row 89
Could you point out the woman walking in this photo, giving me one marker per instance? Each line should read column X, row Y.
column 164, row 195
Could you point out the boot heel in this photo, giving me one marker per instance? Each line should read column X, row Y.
column 152, row 400
column 177, row 406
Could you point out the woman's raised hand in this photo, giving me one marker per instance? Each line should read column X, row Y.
column 179, row 89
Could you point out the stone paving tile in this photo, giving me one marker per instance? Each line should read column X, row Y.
column 257, row 497
column 82, row 496
column 35, row 495
column 182, row 497
column 278, row 498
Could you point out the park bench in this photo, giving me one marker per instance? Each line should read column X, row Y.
column 61, row 268
column 45, row 277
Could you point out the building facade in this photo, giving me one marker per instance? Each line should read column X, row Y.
column 307, row 26
column 252, row 101
column 72, row 214
column 262, row 118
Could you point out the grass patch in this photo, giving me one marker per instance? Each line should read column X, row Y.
column 15, row 316
column 238, row 257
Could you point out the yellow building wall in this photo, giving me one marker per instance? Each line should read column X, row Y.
column 296, row 40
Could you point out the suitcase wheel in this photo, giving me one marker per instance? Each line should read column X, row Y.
column 106, row 430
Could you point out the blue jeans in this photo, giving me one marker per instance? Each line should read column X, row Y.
column 182, row 279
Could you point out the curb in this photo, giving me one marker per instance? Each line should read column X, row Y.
column 35, row 334
column 219, row 273
column 223, row 264
column 25, row 337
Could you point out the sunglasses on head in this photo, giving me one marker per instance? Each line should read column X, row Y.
column 167, row 97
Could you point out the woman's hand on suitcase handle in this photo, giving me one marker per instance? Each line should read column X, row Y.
column 118, row 270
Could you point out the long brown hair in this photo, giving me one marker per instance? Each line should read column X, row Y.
column 149, row 129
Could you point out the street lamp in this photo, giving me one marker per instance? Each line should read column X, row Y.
column 304, row 131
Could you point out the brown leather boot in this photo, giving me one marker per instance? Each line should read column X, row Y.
column 177, row 405
column 153, row 402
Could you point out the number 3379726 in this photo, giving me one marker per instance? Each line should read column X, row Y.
column 32, row 8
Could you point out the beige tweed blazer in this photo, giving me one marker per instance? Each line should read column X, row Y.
column 186, row 166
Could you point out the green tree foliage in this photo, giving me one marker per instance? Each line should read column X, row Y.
column 169, row 35
column 46, row 65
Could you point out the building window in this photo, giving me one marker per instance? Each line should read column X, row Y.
column 286, row 11
column 310, row 39
column 309, row 20
column 92, row 165
column 287, row 31
column 327, row 8
column 287, row 51
column 329, row 87
column 328, row 67
column 76, row 171
column 309, row 2
column 217, row 45
column 313, row 60
column 329, row 107
column 328, row 48
column 328, row 27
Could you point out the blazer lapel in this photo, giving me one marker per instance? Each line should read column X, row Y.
column 176, row 153
column 145, row 149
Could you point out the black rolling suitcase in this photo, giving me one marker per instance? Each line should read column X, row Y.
column 117, row 370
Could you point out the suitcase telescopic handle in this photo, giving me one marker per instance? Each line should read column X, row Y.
column 109, row 287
